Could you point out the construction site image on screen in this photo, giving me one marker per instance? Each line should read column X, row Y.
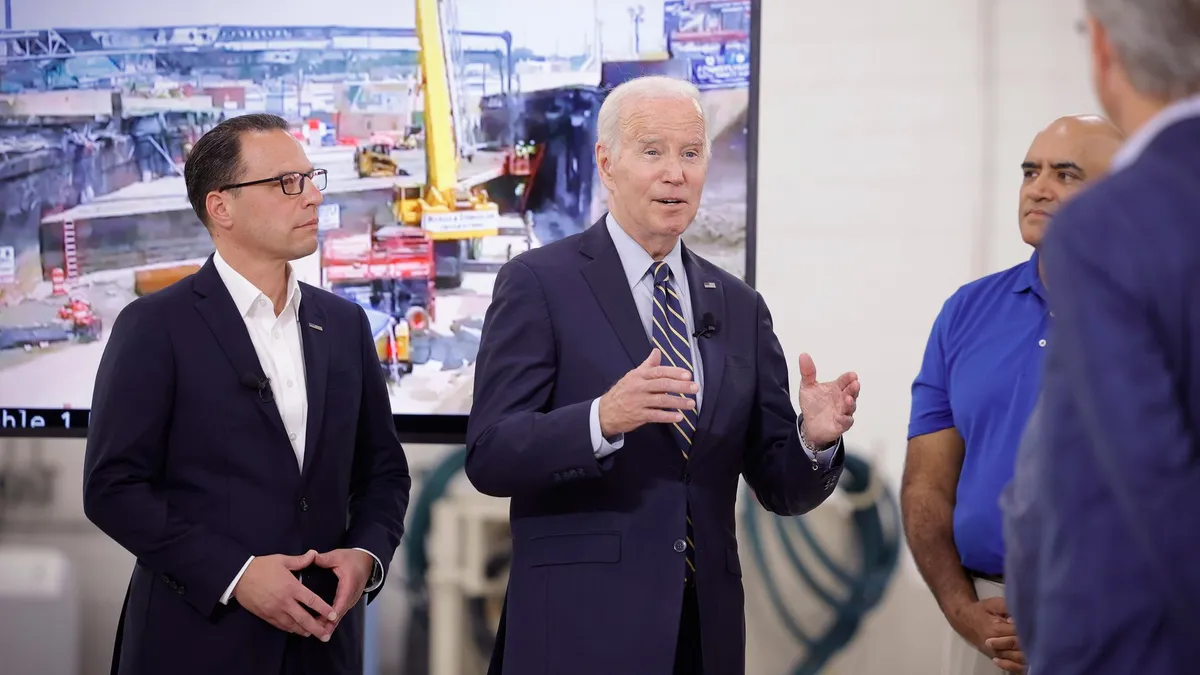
column 449, row 151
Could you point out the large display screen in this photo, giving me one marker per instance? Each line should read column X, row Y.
column 100, row 105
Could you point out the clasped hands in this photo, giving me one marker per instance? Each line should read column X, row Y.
column 654, row 393
column 269, row 590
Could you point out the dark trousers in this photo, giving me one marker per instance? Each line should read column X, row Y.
column 687, row 647
column 293, row 664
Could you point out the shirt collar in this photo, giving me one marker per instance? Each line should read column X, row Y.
column 1028, row 277
column 1136, row 144
column 245, row 293
column 636, row 261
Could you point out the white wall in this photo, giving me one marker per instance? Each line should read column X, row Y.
column 891, row 135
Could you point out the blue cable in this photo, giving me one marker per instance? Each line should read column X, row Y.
column 879, row 550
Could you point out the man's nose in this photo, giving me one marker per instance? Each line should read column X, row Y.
column 312, row 194
column 673, row 171
column 1041, row 189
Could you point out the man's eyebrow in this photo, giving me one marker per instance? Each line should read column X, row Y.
column 1057, row 166
column 1067, row 166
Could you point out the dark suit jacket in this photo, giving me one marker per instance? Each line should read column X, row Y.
column 191, row 472
column 596, row 584
column 1105, row 576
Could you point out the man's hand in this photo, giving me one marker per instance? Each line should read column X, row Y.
column 985, row 623
column 648, row 393
column 353, row 569
column 1008, row 653
column 828, row 407
column 270, row 591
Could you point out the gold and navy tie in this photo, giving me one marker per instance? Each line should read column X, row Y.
column 669, row 333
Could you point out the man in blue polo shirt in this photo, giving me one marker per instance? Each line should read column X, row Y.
column 978, row 383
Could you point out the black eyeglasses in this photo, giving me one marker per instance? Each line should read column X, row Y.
column 292, row 183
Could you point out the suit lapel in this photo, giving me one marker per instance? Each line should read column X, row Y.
column 606, row 277
column 708, row 300
column 316, row 369
column 218, row 311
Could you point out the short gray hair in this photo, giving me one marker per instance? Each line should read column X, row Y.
column 639, row 89
column 1156, row 41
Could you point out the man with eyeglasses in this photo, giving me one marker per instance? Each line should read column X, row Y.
column 241, row 442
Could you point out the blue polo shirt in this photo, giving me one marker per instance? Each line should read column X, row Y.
column 981, row 374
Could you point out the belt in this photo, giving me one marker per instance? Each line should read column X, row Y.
column 994, row 578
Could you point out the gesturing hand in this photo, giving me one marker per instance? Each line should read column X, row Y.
column 648, row 393
column 269, row 591
column 353, row 568
column 828, row 407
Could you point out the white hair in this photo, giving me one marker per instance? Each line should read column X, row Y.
column 1156, row 41
column 639, row 90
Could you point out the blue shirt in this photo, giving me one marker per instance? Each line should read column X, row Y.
column 981, row 374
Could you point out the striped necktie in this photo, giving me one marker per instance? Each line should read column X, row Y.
column 669, row 334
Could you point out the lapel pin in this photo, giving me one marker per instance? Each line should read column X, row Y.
column 315, row 326
column 710, row 284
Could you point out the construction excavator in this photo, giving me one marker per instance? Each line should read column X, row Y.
column 374, row 158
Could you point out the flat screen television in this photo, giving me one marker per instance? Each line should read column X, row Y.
column 97, row 117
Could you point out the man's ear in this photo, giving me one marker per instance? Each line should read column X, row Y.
column 1102, row 51
column 219, row 206
column 604, row 162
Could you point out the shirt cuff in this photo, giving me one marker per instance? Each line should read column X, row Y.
column 601, row 446
column 822, row 458
column 376, row 579
column 229, row 591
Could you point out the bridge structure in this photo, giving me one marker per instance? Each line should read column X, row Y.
column 37, row 59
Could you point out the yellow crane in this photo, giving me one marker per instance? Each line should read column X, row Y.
column 446, row 213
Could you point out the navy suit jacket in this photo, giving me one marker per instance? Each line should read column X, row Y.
column 192, row 472
column 1104, row 563
column 596, row 584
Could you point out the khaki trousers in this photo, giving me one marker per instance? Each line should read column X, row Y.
column 960, row 657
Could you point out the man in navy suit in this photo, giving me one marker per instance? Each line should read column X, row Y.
column 623, row 385
column 1104, row 559
column 241, row 444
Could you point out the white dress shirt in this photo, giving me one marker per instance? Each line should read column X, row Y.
column 636, row 263
column 280, row 351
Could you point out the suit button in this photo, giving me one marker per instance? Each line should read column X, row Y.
column 303, row 504
column 680, row 546
column 687, row 478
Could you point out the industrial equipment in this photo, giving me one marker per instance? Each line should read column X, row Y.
column 375, row 159
column 388, row 271
column 454, row 220
column 75, row 321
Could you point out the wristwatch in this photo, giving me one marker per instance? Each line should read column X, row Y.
column 804, row 441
